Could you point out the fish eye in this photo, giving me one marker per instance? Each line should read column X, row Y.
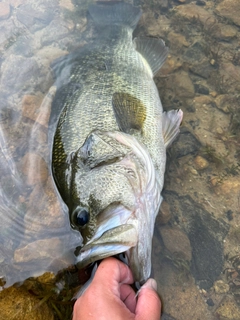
column 80, row 216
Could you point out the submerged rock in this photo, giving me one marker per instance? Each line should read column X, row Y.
column 192, row 11
column 228, row 309
column 38, row 250
column 4, row 10
column 34, row 168
column 201, row 163
column 177, row 242
column 229, row 186
column 164, row 214
column 187, row 144
column 205, row 234
column 220, row 287
column 184, row 87
column 229, row 9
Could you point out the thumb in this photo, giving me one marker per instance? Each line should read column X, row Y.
column 149, row 304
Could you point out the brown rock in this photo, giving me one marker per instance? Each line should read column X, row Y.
column 176, row 242
column 201, row 163
column 37, row 107
column 224, row 32
column 177, row 40
column 199, row 101
column 67, row 4
column 30, row 106
column 182, row 300
column 231, row 75
column 171, row 65
column 228, row 309
column 4, row 10
column 229, row 186
column 230, row 9
column 190, row 11
column 34, row 168
column 39, row 249
column 50, row 214
column 183, row 85
column 223, row 102
column 164, row 214
column 18, row 304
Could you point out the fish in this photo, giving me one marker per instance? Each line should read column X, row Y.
column 109, row 145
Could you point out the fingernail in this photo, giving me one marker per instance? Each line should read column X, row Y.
column 151, row 284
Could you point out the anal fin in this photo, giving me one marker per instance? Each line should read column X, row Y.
column 170, row 125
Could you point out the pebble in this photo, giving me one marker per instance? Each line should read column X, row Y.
column 164, row 214
column 222, row 102
column 213, row 94
column 230, row 186
column 219, row 130
column 4, row 10
column 201, row 163
column 178, row 39
column 220, row 287
column 184, row 87
column 193, row 171
column 172, row 64
column 176, row 241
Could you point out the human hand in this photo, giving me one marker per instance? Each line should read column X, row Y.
column 110, row 296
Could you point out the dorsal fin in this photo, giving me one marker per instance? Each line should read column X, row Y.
column 129, row 111
column 153, row 50
column 170, row 125
column 117, row 14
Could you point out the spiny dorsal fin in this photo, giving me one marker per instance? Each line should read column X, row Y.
column 129, row 111
column 153, row 50
column 117, row 13
column 171, row 122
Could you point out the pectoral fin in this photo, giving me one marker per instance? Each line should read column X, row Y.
column 129, row 111
column 171, row 122
column 99, row 149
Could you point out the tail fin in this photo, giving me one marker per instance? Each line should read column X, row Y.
column 115, row 14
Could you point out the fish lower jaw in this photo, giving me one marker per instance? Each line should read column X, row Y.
column 97, row 253
column 112, row 242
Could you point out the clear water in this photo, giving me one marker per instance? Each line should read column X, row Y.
column 197, row 235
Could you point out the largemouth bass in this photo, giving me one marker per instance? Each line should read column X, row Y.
column 109, row 148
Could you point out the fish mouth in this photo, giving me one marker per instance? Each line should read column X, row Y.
column 114, row 241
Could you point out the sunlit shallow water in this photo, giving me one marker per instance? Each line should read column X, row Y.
column 196, row 247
